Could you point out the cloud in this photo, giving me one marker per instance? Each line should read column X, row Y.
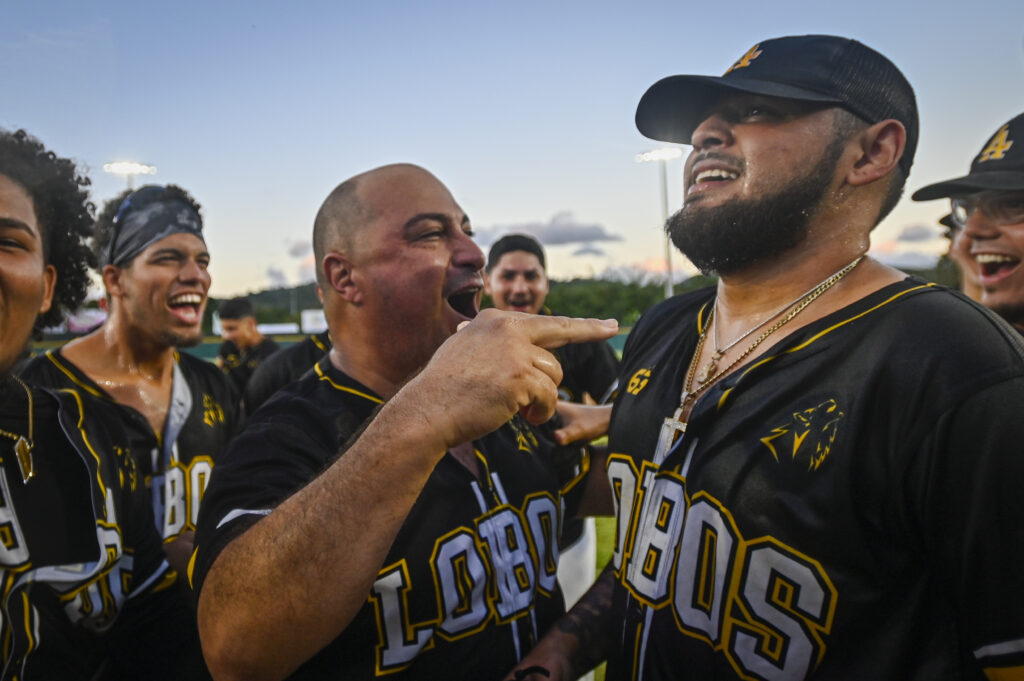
column 915, row 233
column 277, row 277
column 588, row 249
column 307, row 269
column 560, row 230
column 300, row 248
column 911, row 260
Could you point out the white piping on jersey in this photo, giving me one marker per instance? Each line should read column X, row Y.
column 475, row 486
column 239, row 512
column 157, row 574
column 498, row 489
column 1004, row 648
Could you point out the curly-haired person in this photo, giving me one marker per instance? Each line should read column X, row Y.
column 79, row 539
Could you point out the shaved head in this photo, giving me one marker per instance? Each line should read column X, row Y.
column 353, row 205
column 337, row 222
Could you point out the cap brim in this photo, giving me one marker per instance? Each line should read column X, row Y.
column 672, row 108
column 1006, row 180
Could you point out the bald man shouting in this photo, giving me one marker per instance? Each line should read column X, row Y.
column 365, row 524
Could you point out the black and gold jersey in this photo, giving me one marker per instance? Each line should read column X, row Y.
column 78, row 540
column 846, row 506
column 239, row 365
column 283, row 367
column 469, row 584
column 175, row 464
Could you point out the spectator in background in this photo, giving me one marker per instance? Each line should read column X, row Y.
column 244, row 347
column 517, row 280
column 988, row 210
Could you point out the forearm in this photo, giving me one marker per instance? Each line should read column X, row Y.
column 290, row 584
column 579, row 641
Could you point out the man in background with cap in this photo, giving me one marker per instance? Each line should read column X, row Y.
column 816, row 462
column 988, row 214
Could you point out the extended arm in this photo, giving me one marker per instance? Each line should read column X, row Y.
column 579, row 641
column 286, row 587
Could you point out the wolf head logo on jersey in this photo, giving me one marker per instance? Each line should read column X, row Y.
column 809, row 436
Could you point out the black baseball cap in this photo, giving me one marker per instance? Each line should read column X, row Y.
column 811, row 68
column 999, row 165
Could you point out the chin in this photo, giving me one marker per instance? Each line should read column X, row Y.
column 180, row 339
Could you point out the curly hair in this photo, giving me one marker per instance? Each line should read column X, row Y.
column 103, row 231
column 60, row 197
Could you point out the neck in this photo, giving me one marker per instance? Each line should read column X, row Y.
column 134, row 350
column 756, row 292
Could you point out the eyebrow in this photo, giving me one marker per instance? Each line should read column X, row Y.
column 177, row 252
column 439, row 217
column 11, row 223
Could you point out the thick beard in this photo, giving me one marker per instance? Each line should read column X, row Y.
column 743, row 232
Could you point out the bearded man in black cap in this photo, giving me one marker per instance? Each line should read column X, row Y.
column 816, row 461
column 988, row 215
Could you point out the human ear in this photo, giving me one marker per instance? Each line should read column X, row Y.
column 49, row 283
column 338, row 272
column 880, row 146
column 111, row 276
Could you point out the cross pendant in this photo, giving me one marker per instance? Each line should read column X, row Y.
column 672, row 429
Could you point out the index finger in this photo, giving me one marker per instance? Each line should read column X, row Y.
column 549, row 331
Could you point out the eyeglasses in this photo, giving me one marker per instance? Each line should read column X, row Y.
column 1001, row 208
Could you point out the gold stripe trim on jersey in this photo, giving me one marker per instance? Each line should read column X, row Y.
column 818, row 336
column 342, row 388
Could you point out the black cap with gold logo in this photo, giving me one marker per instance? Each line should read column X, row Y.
column 998, row 166
column 812, row 68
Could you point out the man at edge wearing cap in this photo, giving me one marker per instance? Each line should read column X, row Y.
column 815, row 462
column 988, row 214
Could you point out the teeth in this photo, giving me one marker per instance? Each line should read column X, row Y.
column 187, row 299
column 987, row 258
column 716, row 173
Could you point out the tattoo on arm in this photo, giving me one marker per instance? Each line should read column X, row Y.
column 590, row 621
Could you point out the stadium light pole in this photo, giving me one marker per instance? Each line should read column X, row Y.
column 663, row 156
column 128, row 170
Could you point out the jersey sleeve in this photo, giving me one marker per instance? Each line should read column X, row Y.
column 270, row 460
column 966, row 495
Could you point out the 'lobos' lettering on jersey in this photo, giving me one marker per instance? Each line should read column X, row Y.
column 469, row 583
column 832, row 485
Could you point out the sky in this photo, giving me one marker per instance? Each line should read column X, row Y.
column 524, row 110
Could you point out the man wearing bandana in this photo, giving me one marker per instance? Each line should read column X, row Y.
column 178, row 410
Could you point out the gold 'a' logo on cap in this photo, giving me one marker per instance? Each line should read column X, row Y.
column 744, row 61
column 997, row 146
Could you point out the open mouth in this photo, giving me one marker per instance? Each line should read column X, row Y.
column 715, row 175
column 187, row 307
column 466, row 302
column 995, row 265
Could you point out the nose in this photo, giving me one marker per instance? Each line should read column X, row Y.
column 467, row 254
column 519, row 284
column 979, row 226
column 713, row 131
column 191, row 270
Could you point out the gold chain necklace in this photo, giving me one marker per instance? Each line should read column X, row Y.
column 674, row 426
column 23, row 445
